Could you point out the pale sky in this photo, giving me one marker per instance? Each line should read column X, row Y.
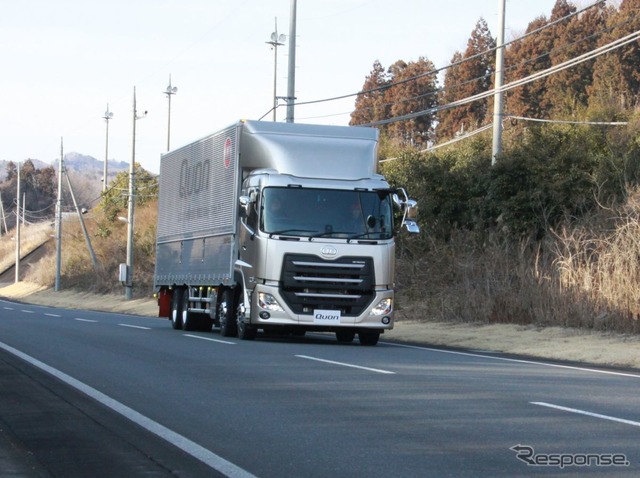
column 62, row 61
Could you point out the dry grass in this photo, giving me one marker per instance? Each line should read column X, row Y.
column 586, row 275
column 77, row 270
column 31, row 237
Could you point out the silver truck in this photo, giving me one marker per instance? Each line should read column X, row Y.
column 279, row 227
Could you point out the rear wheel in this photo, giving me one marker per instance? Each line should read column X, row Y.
column 345, row 336
column 368, row 338
column 176, row 309
column 226, row 314
column 189, row 322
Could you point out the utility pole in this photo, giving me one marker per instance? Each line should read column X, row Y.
column 276, row 41
column 498, row 95
column 171, row 90
column 128, row 293
column 107, row 116
column 17, row 279
column 59, row 221
column 291, row 86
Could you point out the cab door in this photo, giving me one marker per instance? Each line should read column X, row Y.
column 248, row 236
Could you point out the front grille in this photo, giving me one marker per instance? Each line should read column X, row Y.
column 310, row 282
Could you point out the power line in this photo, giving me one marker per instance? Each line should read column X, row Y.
column 523, row 118
column 516, row 83
column 596, row 123
column 438, row 70
column 448, row 88
column 450, row 142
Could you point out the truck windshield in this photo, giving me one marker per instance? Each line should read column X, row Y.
column 327, row 213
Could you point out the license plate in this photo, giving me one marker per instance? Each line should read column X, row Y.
column 329, row 317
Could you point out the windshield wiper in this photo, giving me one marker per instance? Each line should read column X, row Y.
column 328, row 234
column 350, row 235
column 288, row 231
column 358, row 236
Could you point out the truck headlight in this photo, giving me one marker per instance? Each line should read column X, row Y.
column 384, row 307
column 268, row 302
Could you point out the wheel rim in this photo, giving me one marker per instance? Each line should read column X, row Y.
column 240, row 320
column 223, row 314
column 175, row 311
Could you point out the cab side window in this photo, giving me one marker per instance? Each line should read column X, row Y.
column 254, row 207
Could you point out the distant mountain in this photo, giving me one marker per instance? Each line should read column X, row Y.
column 88, row 164
column 83, row 164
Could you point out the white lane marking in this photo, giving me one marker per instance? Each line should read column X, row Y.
column 27, row 311
column 135, row 326
column 8, row 308
column 53, row 315
column 345, row 364
column 197, row 451
column 505, row 359
column 85, row 320
column 589, row 414
column 210, row 340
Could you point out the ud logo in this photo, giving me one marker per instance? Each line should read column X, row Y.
column 329, row 251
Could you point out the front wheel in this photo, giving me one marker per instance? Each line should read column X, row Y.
column 245, row 331
column 226, row 314
column 368, row 338
column 345, row 336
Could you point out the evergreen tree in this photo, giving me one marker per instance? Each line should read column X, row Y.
column 369, row 106
column 453, row 120
column 566, row 93
column 522, row 59
column 38, row 188
column 616, row 79
column 469, row 78
column 11, row 171
column 414, row 89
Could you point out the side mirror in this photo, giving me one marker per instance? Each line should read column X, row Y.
column 245, row 203
column 410, row 210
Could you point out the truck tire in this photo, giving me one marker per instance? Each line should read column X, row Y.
column 368, row 338
column 189, row 322
column 176, row 309
column 226, row 314
column 345, row 336
column 245, row 331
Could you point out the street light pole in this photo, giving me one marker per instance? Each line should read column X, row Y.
column 17, row 270
column 59, row 220
column 276, row 41
column 171, row 90
column 107, row 116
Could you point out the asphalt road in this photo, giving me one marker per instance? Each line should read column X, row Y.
column 130, row 392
